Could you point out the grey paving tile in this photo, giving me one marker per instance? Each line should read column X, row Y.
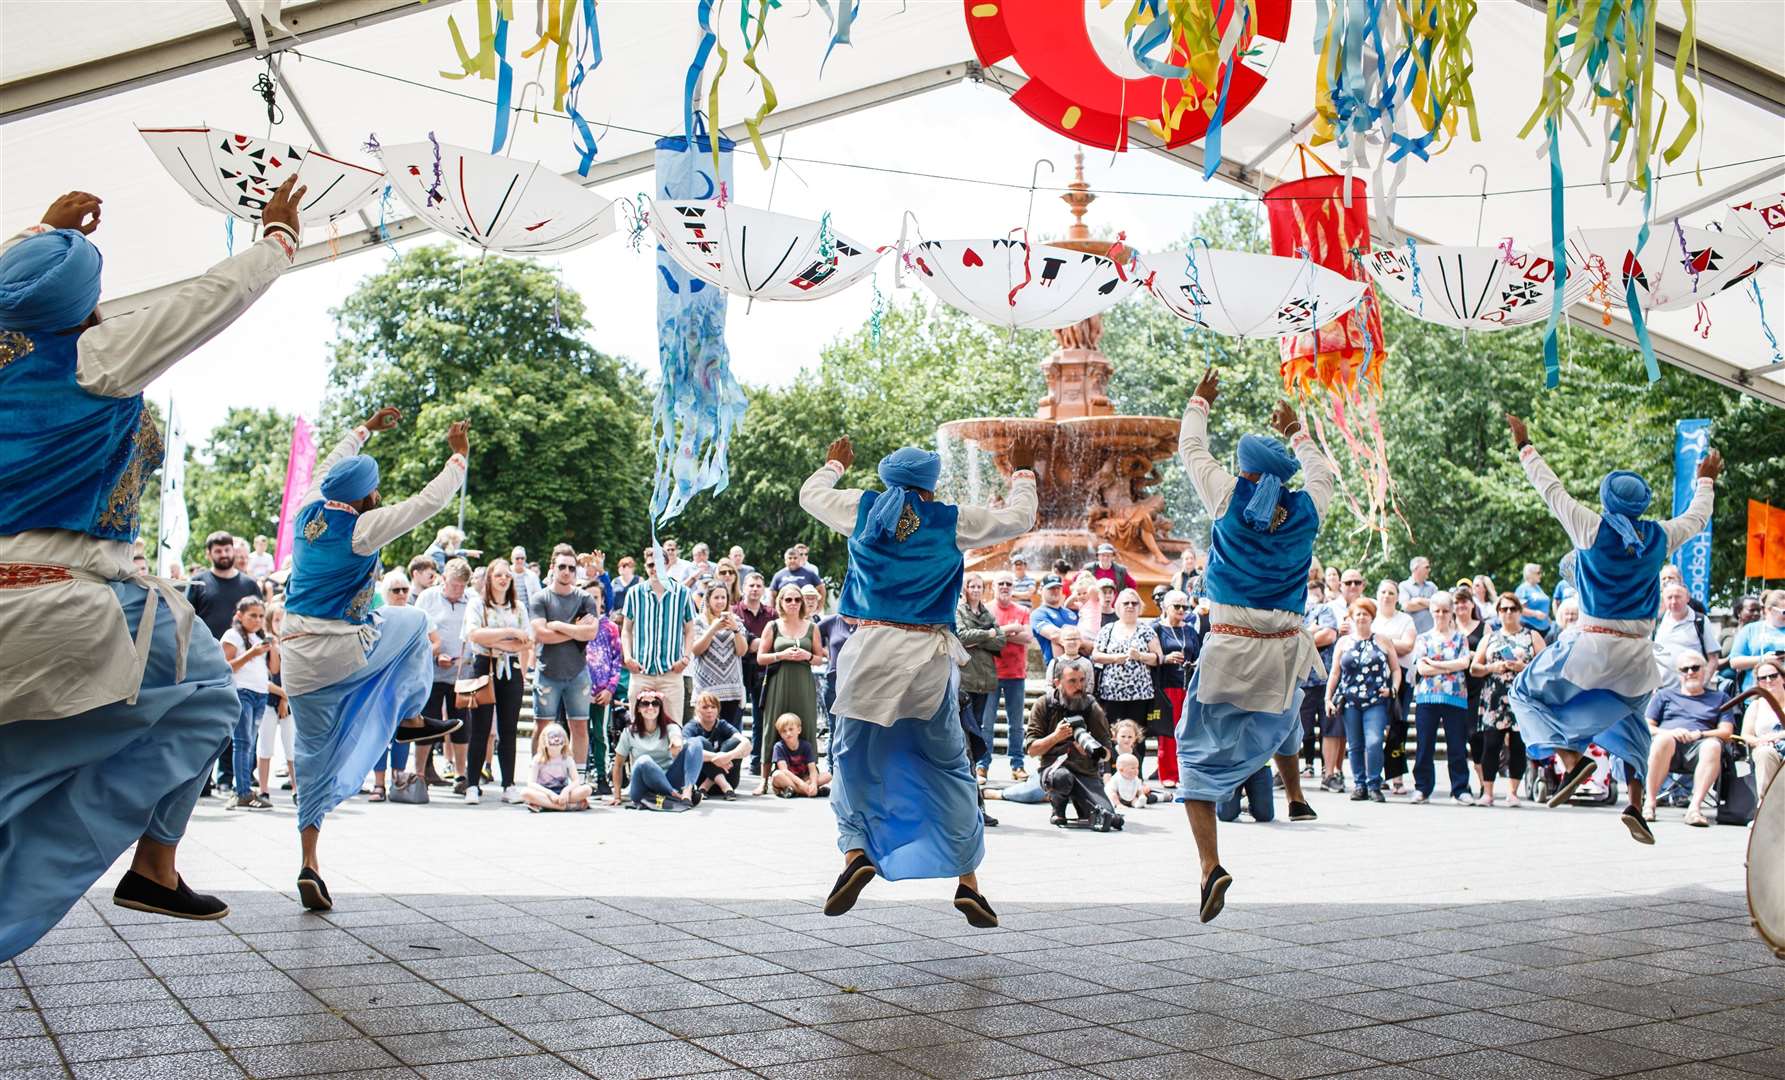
column 1495, row 1065
column 111, row 1017
column 457, row 1044
column 591, row 1032
column 348, row 998
column 1290, row 1059
column 617, row 977
column 1761, row 1063
column 107, row 948
column 941, row 997
column 252, row 1006
column 1041, row 986
column 415, row 1019
column 1694, row 1044
column 1085, row 1046
column 1484, row 1028
column 832, row 1009
column 794, row 1044
column 135, row 1042
column 1296, row 1018
column 1115, row 1008
column 662, row 1059
column 36, row 975
column 1195, row 1031
column 186, row 987
column 861, row 1067
column 718, row 1020
column 1564, row 1014
column 895, row 1033
column 1382, row 1072
column 271, row 1030
column 1389, row 1042
column 1474, row 993
column 1389, row 1006
column 544, row 1008
column 525, row 984
column 309, row 1059
column 1737, row 1021
column 23, row 1052
column 879, row 976
column 677, row 995
column 39, row 1072
column 533, row 1067
column 203, row 1065
column 1693, row 1070
column 1184, row 1065
column 17, row 1023
column 1601, row 1055
column 975, row 1059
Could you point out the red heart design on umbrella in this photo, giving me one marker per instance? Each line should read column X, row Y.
column 971, row 258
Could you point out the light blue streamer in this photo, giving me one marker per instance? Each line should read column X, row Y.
column 1552, row 358
column 1637, row 321
column 1765, row 327
column 691, row 83
column 1413, row 257
column 504, row 86
column 585, row 135
column 841, row 21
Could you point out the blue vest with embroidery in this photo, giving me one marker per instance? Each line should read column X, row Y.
column 1617, row 582
column 68, row 459
column 1267, row 570
column 328, row 579
column 912, row 577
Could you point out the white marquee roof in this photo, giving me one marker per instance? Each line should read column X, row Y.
column 76, row 76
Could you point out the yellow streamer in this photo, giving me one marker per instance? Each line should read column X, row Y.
column 753, row 124
column 483, row 65
column 560, row 16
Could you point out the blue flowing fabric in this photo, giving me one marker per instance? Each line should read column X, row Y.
column 1556, row 714
column 1266, row 456
column 905, row 794
column 1625, row 496
column 343, row 730
column 1220, row 745
column 903, row 470
column 76, row 792
column 699, row 403
column 49, row 281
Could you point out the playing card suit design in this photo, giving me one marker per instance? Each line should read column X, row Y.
column 1472, row 288
column 1245, row 295
column 1064, row 286
column 1677, row 268
column 757, row 253
column 237, row 174
column 496, row 203
column 1762, row 219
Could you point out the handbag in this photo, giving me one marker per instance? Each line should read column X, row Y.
column 470, row 693
column 408, row 789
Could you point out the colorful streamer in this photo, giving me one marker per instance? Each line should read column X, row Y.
column 753, row 124
column 1766, row 327
column 1199, row 55
column 842, row 20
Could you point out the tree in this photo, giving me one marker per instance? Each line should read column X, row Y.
column 559, row 431
column 236, row 483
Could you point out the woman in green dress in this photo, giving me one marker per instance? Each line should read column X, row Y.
column 789, row 646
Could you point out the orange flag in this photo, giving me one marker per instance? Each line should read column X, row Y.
column 1766, row 541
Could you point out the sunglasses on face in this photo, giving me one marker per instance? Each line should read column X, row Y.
column 1774, row 677
column 1180, row 607
column 1691, row 669
column 1131, row 603
column 398, row 592
column 561, row 567
column 1351, row 582
column 1503, row 608
column 649, row 705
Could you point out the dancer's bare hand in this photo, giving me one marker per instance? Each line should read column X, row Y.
column 384, row 419
column 457, row 438
column 282, row 208
column 841, row 451
column 1210, row 385
column 1519, row 435
column 1285, row 420
column 72, row 210
column 1712, row 466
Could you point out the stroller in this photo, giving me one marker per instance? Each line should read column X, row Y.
column 1545, row 775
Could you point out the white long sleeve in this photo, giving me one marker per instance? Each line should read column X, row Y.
column 979, row 526
column 350, row 444
column 127, row 352
column 1215, row 485
column 379, row 527
column 1697, row 515
column 833, row 507
column 1580, row 523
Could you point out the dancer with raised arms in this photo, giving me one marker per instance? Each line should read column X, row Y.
column 1593, row 687
column 114, row 700
column 354, row 676
column 904, row 795
column 1243, row 705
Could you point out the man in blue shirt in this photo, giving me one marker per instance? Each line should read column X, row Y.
column 1537, row 603
column 1050, row 616
column 1687, row 735
column 1761, row 638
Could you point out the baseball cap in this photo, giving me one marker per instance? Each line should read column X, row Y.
column 1106, row 549
column 1052, row 581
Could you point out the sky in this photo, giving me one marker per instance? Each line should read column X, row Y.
column 277, row 354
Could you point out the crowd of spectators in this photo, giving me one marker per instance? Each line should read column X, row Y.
column 657, row 686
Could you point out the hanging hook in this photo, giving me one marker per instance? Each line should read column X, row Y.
column 520, row 106
column 901, row 249
column 1481, row 209
column 1033, row 174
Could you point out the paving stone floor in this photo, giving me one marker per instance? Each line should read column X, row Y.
column 1380, row 943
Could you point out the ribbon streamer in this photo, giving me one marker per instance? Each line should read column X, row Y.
column 1765, row 327
column 842, row 20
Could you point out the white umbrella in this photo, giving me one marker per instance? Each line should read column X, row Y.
column 497, row 203
column 237, row 173
column 1677, row 268
column 758, row 253
column 1009, row 284
column 1472, row 288
column 1245, row 295
column 1764, row 220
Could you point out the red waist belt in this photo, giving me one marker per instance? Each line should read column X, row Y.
column 29, row 575
column 1247, row 632
column 895, row 625
column 1613, row 633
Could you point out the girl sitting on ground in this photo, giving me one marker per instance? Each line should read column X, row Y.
column 556, row 783
column 796, row 763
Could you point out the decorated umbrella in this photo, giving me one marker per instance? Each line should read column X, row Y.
column 1011, row 284
column 1244, row 295
column 758, row 253
column 237, row 174
column 1675, row 267
column 1764, row 220
column 1471, row 288
column 496, row 203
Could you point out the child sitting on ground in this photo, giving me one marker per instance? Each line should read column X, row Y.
column 796, row 763
column 1125, row 787
column 1127, row 736
column 556, row 784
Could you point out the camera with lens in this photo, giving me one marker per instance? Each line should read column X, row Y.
column 1085, row 741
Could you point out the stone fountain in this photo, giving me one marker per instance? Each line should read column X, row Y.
column 1096, row 472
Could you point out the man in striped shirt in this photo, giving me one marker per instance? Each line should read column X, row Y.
column 659, row 625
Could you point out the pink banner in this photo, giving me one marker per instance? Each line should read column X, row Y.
column 298, row 468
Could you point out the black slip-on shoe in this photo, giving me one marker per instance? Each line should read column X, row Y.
column 313, row 892
column 430, row 729
column 1057, row 819
column 1576, row 776
column 138, row 893
column 1301, row 811
column 988, row 820
column 695, row 795
column 1639, row 829
column 978, row 911
column 1214, row 892
column 849, row 886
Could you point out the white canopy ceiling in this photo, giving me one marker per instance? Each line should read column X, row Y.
column 77, row 76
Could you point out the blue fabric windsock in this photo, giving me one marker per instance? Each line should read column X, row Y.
column 904, row 470
column 1274, row 464
column 351, row 480
column 1625, row 496
column 49, row 281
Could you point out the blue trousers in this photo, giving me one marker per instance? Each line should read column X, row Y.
column 76, row 792
column 244, row 738
column 1366, row 727
column 1454, row 719
column 1010, row 693
column 650, row 779
column 1259, row 798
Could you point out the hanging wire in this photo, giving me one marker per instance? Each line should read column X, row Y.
column 268, row 91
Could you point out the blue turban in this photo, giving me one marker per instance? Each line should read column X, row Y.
column 1274, row 464
column 49, row 281
column 1624, row 495
column 351, row 480
column 903, row 470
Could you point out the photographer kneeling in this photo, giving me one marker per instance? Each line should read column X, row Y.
column 1067, row 731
